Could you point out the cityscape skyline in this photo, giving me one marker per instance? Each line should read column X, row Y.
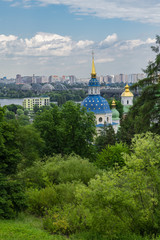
column 56, row 36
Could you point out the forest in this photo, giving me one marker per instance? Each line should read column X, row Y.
column 59, row 180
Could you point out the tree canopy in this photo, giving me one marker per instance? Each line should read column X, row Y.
column 67, row 129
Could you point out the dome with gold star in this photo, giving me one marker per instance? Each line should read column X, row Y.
column 94, row 102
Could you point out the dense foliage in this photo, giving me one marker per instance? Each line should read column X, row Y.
column 67, row 129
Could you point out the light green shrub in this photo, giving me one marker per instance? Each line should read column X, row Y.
column 67, row 219
column 72, row 168
column 41, row 200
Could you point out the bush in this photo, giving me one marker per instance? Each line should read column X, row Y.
column 127, row 200
column 58, row 169
column 12, row 197
column 73, row 168
column 41, row 200
column 66, row 220
column 112, row 156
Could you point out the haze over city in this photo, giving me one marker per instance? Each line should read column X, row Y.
column 46, row 37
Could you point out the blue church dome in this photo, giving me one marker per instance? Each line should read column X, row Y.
column 93, row 82
column 96, row 104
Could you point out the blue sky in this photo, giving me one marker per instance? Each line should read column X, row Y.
column 56, row 37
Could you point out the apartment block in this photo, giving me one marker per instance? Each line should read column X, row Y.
column 28, row 103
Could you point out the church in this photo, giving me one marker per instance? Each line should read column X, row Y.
column 99, row 105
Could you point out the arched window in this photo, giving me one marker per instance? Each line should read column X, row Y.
column 100, row 119
column 127, row 101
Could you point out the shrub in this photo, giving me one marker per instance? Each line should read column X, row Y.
column 72, row 168
column 41, row 200
column 67, row 220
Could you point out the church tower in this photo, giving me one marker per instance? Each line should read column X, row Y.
column 126, row 99
column 95, row 103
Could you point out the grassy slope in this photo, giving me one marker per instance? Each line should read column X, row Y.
column 30, row 228
column 25, row 228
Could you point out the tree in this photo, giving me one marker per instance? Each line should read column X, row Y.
column 107, row 136
column 30, row 145
column 35, row 108
column 9, row 115
column 12, row 191
column 20, row 112
column 145, row 113
column 111, row 156
column 67, row 129
column 14, row 107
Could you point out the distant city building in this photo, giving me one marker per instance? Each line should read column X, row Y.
column 28, row 103
column 18, row 79
column 41, row 79
column 53, row 79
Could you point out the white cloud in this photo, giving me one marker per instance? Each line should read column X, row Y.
column 46, row 51
column 83, row 44
column 4, row 38
column 131, row 44
column 109, row 40
column 142, row 11
column 104, row 60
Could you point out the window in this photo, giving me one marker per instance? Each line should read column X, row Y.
column 127, row 101
column 107, row 119
column 100, row 119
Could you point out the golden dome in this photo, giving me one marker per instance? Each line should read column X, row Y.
column 127, row 92
column 113, row 104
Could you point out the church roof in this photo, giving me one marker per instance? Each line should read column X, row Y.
column 93, row 82
column 96, row 104
column 127, row 92
column 115, row 113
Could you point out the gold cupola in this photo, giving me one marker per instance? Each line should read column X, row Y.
column 113, row 104
column 127, row 92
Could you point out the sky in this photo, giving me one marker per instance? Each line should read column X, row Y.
column 57, row 37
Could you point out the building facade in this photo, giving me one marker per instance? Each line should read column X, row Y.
column 29, row 103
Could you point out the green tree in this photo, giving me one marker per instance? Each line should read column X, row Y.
column 112, row 156
column 145, row 113
column 107, row 136
column 23, row 120
column 35, row 108
column 9, row 115
column 12, row 192
column 26, row 112
column 67, row 129
column 30, row 145
column 13, row 107
column 20, row 112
